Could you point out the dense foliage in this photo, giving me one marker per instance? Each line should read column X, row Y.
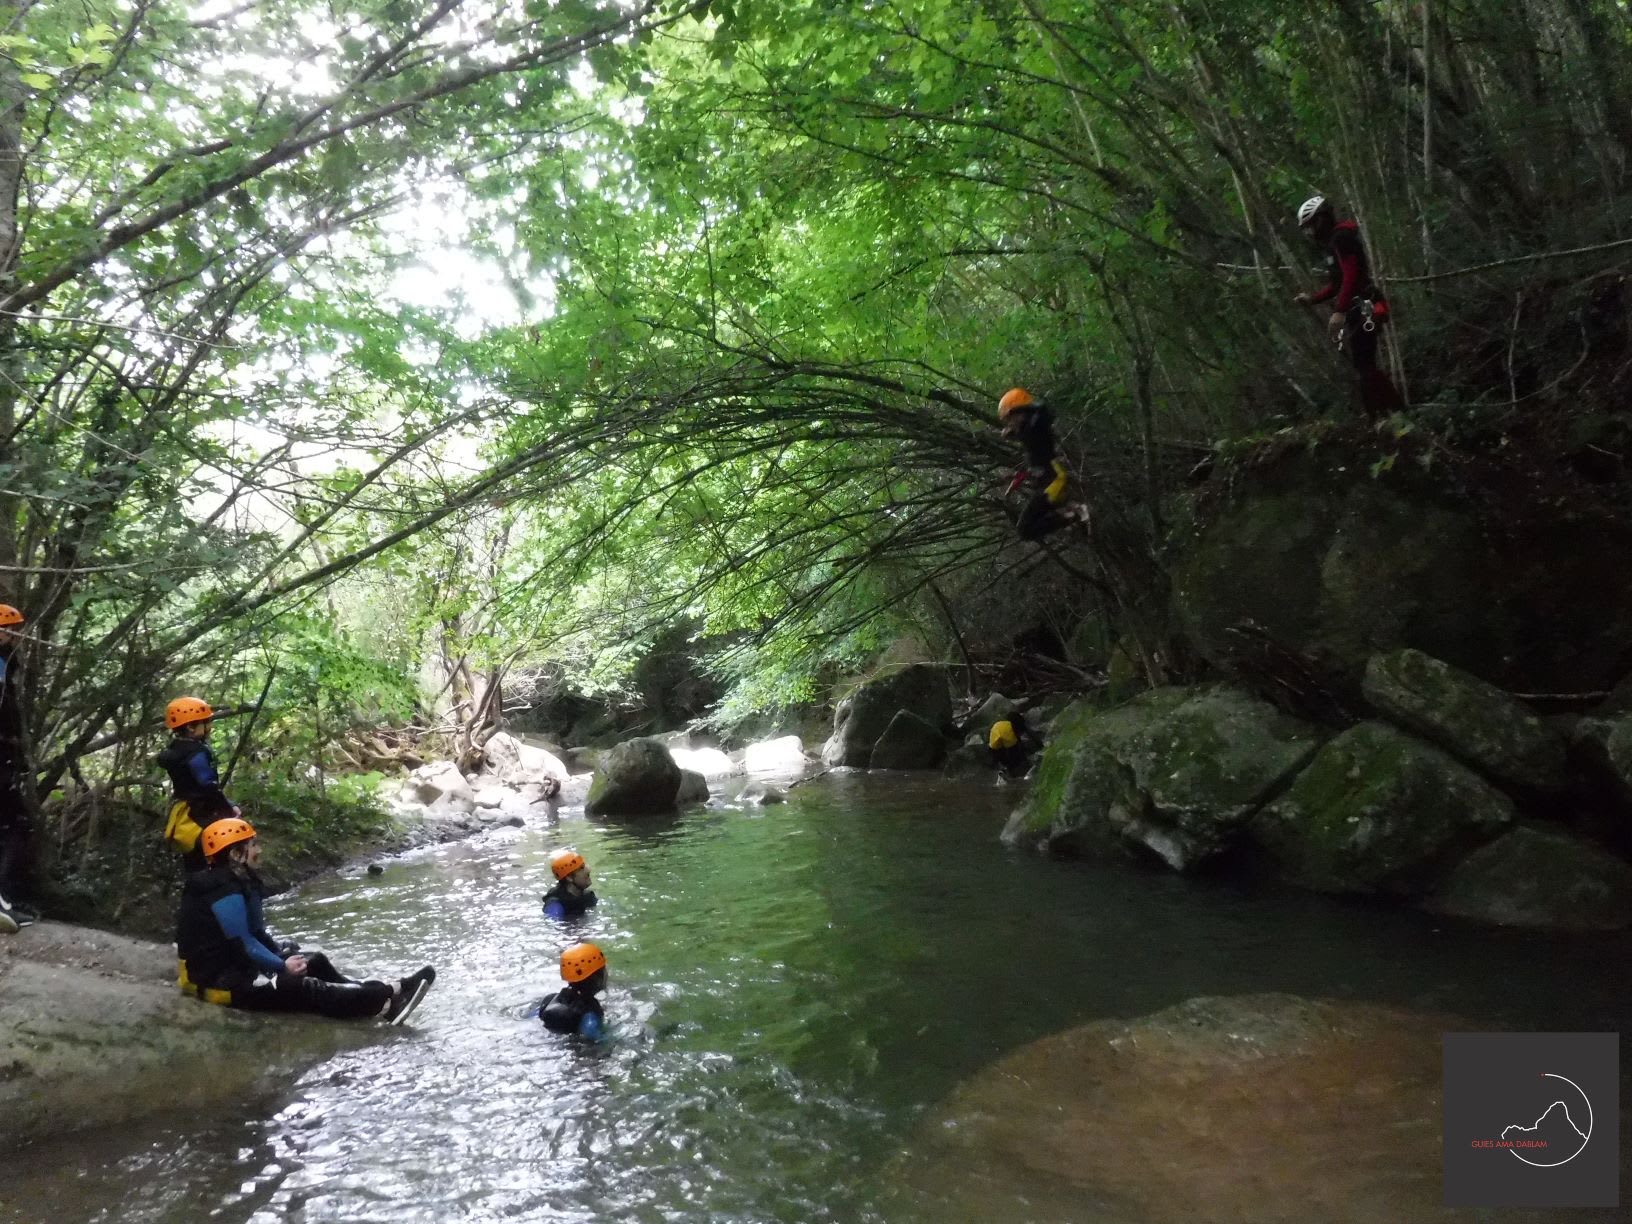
column 733, row 290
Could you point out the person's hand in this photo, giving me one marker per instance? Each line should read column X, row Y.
column 1334, row 325
column 1304, row 299
column 295, row 965
column 237, row 812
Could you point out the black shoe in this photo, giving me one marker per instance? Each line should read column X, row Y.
column 410, row 990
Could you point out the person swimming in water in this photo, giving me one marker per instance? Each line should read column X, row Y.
column 574, row 1008
column 572, row 894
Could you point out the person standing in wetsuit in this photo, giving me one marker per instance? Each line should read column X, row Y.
column 574, row 1008
column 228, row 957
column 196, row 797
column 15, row 840
column 1046, row 510
column 1358, row 306
column 1011, row 743
column 572, row 894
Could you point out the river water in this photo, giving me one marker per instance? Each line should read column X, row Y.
column 792, row 989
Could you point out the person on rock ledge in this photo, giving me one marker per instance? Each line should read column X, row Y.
column 1046, row 510
column 1359, row 308
column 228, row 958
column 196, row 797
column 572, row 894
column 574, row 1008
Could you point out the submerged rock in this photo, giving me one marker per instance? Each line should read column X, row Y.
column 1264, row 1108
column 638, row 777
column 1539, row 878
column 1176, row 772
column 1472, row 720
column 908, row 743
column 972, row 759
column 865, row 714
column 1378, row 811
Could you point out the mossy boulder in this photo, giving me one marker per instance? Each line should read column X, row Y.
column 1539, row 878
column 909, row 742
column 1175, row 773
column 637, row 777
column 1472, row 720
column 1339, row 565
column 1378, row 811
column 863, row 716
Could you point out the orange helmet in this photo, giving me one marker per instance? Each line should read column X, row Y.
column 565, row 862
column 184, row 710
column 223, row 833
column 581, row 961
column 9, row 615
column 1013, row 400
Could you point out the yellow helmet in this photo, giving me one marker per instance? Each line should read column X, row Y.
column 223, row 833
column 1013, row 401
column 1003, row 735
column 581, row 961
column 10, row 616
column 565, row 862
column 184, row 710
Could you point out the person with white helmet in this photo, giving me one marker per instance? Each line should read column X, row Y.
column 1358, row 305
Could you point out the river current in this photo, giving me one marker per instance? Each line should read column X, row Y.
column 793, row 988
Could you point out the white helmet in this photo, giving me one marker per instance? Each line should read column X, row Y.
column 1310, row 207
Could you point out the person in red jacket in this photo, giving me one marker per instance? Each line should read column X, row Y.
column 1358, row 305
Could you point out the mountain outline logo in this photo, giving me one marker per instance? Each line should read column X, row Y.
column 1557, row 1107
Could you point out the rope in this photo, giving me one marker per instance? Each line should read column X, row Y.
column 1468, row 271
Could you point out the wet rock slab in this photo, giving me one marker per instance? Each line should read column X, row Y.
column 1263, row 1108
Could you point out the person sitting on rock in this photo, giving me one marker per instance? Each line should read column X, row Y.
column 227, row 956
column 196, row 797
column 1011, row 743
column 572, row 894
column 574, row 1008
column 1046, row 510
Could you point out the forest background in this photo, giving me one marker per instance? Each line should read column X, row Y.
column 410, row 363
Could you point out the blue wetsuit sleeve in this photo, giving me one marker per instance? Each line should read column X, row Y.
column 554, row 909
column 257, row 926
column 590, row 1026
column 233, row 916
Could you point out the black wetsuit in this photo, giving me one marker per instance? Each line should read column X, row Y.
column 1354, row 295
column 1043, row 475
column 228, row 957
column 196, row 798
column 568, row 1009
column 14, row 779
column 569, row 902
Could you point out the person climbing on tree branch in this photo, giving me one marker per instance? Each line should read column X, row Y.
column 1046, row 510
column 1359, row 308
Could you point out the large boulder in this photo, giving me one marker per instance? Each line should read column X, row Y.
column 1539, row 878
column 865, row 714
column 1604, row 745
column 994, row 709
column 1176, row 773
column 693, row 788
column 1378, row 811
column 1263, row 1108
column 638, row 777
column 783, row 755
column 1472, row 720
column 1337, row 564
column 515, row 762
column 442, row 789
column 908, row 743
column 970, row 759
column 710, row 762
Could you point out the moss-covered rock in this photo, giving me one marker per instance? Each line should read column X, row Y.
column 1474, row 721
column 1539, row 878
column 638, row 777
column 1340, row 565
column 1378, row 811
column 1174, row 773
column 865, row 714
